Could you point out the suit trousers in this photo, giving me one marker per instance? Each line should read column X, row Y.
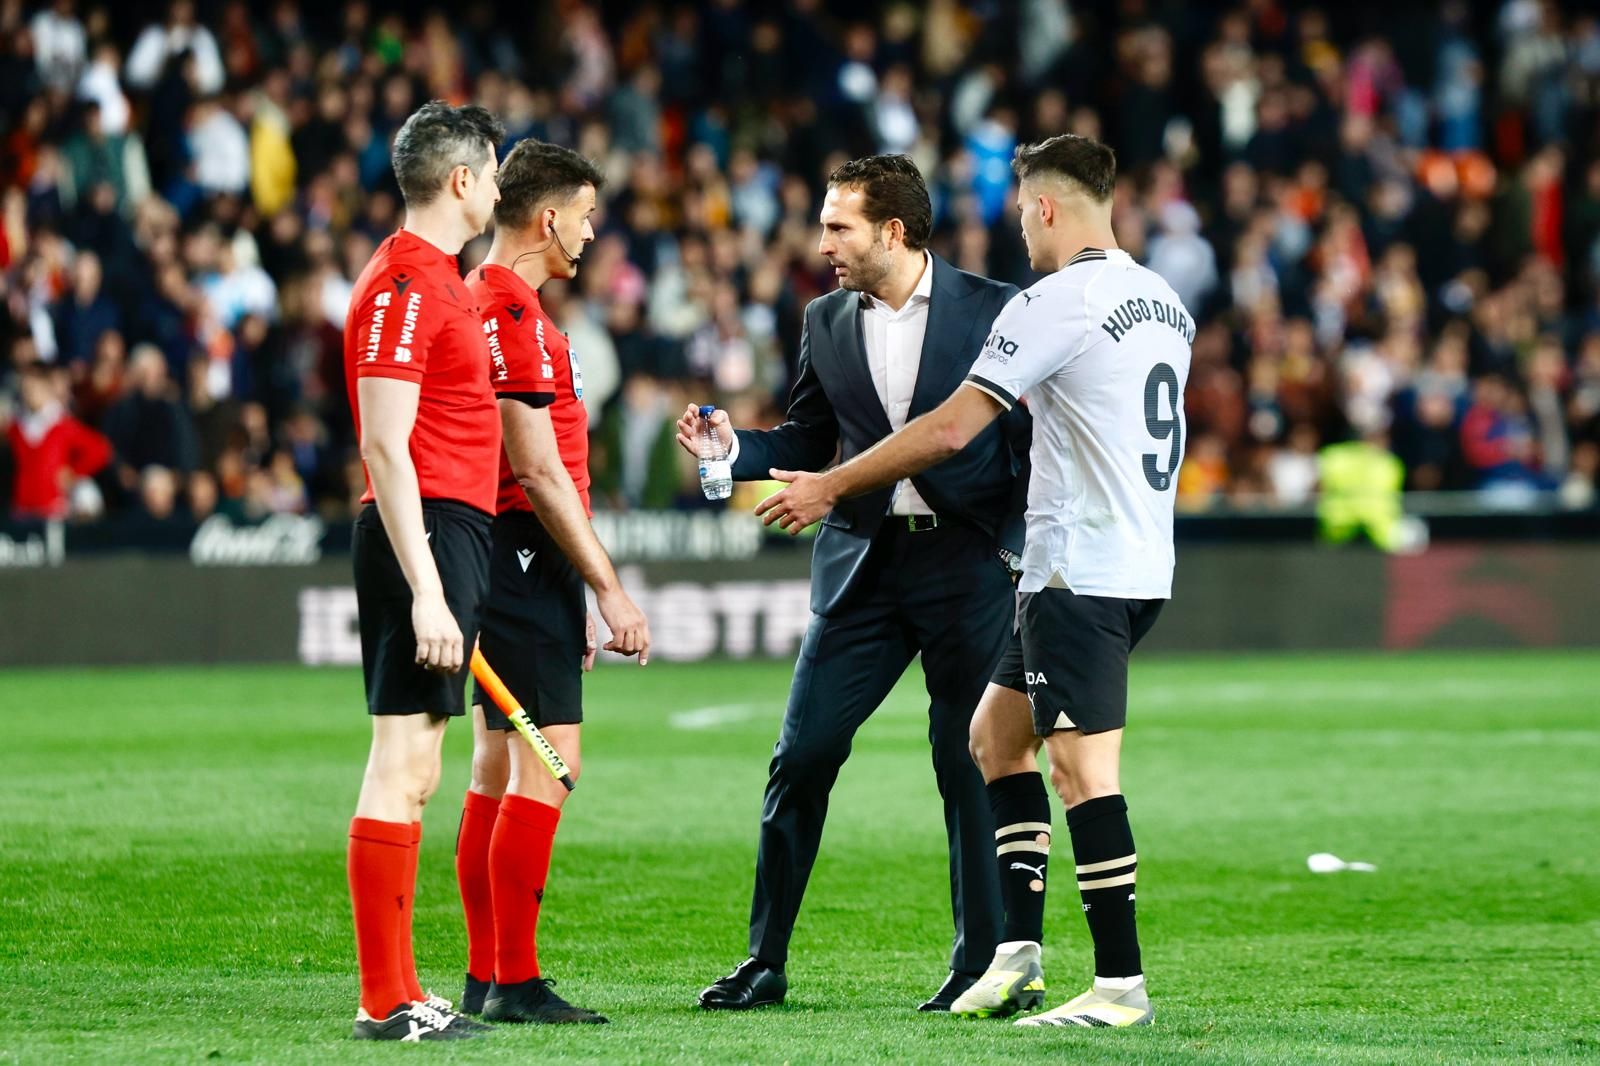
column 945, row 593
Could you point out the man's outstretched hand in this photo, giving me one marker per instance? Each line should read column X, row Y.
column 805, row 501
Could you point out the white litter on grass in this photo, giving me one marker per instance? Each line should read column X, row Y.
column 1324, row 862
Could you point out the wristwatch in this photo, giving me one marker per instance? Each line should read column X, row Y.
column 1013, row 564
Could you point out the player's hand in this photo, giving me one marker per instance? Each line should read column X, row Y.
column 805, row 501
column 630, row 632
column 689, row 429
column 439, row 644
column 588, row 642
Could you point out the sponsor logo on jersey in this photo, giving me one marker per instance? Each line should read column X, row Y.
column 998, row 348
column 1029, row 297
column 408, row 328
column 1137, row 311
column 491, row 329
column 375, row 334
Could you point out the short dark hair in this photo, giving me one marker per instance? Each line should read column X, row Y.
column 536, row 174
column 891, row 187
column 435, row 140
column 1081, row 160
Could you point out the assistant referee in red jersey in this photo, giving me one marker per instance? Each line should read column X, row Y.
column 536, row 628
column 417, row 367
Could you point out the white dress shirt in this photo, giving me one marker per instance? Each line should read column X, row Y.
column 894, row 355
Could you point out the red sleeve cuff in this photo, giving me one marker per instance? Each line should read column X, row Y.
column 389, row 370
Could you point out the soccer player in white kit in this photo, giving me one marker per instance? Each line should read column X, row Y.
column 1100, row 350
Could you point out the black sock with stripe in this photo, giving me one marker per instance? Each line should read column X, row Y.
column 1102, row 849
column 1021, row 809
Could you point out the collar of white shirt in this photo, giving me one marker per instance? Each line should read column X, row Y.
column 922, row 294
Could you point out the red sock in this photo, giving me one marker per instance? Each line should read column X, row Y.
column 408, row 957
column 478, row 814
column 519, row 862
column 379, row 865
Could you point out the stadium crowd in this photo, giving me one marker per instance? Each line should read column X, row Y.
column 1386, row 221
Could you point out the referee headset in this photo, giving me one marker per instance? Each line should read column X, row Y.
column 555, row 238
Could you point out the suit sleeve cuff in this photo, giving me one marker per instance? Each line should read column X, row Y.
column 984, row 385
column 733, row 452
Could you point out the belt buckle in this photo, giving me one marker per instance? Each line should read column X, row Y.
column 921, row 523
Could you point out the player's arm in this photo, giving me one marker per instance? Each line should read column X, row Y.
column 1024, row 347
column 388, row 412
column 530, row 443
column 924, row 442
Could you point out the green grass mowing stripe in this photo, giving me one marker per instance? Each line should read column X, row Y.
column 176, row 889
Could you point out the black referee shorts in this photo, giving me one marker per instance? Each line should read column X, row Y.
column 533, row 625
column 459, row 538
column 1069, row 656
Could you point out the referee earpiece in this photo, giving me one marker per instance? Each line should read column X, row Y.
column 555, row 235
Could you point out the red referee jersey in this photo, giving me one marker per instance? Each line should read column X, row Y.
column 532, row 358
column 413, row 318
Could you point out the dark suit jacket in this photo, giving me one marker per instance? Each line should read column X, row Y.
column 835, row 408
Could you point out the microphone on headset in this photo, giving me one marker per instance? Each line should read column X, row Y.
column 572, row 260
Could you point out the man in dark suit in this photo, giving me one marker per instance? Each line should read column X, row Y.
column 916, row 567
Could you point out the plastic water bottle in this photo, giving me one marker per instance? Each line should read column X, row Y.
column 716, row 473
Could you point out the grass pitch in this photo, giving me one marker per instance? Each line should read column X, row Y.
column 172, row 870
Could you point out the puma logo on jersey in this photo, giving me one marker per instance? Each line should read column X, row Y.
column 525, row 557
column 1028, row 298
column 1037, row 871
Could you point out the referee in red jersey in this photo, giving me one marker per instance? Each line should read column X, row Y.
column 417, row 368
column 536, row 629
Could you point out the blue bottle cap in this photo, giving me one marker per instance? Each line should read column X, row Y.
column 705, row 411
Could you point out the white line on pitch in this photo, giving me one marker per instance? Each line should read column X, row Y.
column 715, row 717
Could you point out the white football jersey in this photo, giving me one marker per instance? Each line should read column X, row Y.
column 1100, row 349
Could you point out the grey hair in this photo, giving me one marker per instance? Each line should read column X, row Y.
column 435, row 140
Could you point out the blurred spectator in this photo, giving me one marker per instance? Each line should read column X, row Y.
column 1497, row 440
column 219, row 148
column 178, row 36
column 148, row 426
column 99, row 85
column 1292, row 471
column 59, row 45
column 1183, row 257
column 51, row 451
column 85, row 313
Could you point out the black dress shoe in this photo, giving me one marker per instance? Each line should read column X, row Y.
column 950, row 991
column 752, row 984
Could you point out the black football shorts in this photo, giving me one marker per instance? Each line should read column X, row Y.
column 459, row 538
column 533, row 625
column 1069, row 656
